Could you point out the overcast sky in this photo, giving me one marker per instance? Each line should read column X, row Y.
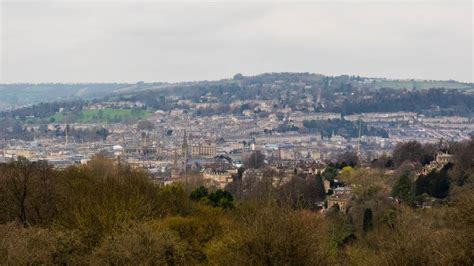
column 113, row 41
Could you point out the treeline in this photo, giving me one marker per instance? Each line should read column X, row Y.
column 431, row 102
column 43, row 110
column 107, row 213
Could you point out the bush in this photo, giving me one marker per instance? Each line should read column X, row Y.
column 415, row 239
column 270, row 236
column 100, row 199
column 26, row 246
column 142, row 245
column 28, row 192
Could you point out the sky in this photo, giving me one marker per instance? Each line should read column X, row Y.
column 129, row 41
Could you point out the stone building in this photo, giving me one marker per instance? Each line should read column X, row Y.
column 217, row 177
column 342, row 196
column 205, row 149
column 441, row 160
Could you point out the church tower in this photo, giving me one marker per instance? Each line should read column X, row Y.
column 175, row 171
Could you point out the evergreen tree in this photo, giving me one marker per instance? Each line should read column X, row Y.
column 367, row 223
column 198, row 193
column 435, row 183
column 403, row 189
column 221, row 198
column 319, row 187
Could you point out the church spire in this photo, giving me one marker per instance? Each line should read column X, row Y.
column 175, row 162
column 185, row 150
column 66, row 131
column 185, row 140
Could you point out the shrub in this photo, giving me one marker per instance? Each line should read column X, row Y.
column 142, row 245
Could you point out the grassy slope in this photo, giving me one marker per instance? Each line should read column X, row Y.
column 110, row 115
column 401, row 84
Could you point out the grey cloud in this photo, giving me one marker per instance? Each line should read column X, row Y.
column 116, row 41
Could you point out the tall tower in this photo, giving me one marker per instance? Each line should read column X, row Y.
column 185, row 150
column 358, row 140
column 66, row 129
column 175, row 172
column 144, row 138
column 318, row 99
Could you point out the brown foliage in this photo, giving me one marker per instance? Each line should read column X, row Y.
column 102, row 214
column 142, row 245
column 28, row 192
column 415, row 238
column 270, row 235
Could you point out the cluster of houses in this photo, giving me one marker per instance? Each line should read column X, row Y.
column 440, row 161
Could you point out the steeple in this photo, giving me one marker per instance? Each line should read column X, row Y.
column 318, row 98
column 175, row 172
column 185, row 150
column 185, row 140
column 175, row 162
column 358, row 140
column 66, row 129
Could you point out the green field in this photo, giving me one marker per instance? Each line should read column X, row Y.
column 420, row 85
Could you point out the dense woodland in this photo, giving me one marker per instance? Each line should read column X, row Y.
column 107, row 213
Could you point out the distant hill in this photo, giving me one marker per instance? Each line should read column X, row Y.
column 14, row 96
